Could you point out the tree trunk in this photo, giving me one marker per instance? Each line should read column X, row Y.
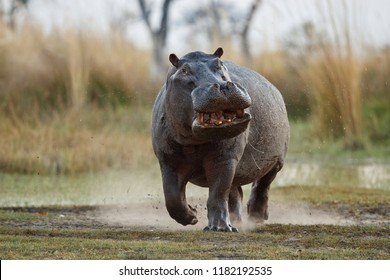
column 157, row 67
column 158, row 36
column 244, row 34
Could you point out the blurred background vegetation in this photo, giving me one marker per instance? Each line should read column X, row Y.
column 74, row 100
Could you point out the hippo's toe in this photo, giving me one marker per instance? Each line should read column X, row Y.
column 221, row 229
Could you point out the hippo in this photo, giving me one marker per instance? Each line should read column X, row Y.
column 221, row 126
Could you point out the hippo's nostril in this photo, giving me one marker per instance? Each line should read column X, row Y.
column 229, row 84
column 216, row 85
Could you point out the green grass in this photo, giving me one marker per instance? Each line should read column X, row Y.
column 335, row 194
column 27, row 234
column 83, row 189
column 303, row 144
column 267, row 242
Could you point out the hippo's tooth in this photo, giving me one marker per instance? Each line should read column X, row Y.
column 199, row 117
column 240, row 113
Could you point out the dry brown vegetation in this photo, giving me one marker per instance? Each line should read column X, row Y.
column 73, row 101
column 344, row 95
column 69, row 144
column 332, row 69
column 68, row 69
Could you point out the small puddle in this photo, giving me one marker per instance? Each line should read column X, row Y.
column 363, row 173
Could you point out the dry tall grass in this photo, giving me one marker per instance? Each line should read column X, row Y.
column 277, row 66
column 331, row 68
column 91, row 140
column 333, row 81
column 71, row 69
column 58, row 95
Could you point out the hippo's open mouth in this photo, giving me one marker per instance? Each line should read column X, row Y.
column 221, row 124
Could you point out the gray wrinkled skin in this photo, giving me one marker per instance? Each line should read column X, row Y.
column 219, row 156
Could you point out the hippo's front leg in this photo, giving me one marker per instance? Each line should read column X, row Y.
column 174, row 184
column 220, row 177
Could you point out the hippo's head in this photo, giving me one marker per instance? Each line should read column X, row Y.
column 208, row 103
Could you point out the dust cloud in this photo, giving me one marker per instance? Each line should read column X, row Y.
column 139, row 204
column 157, row 218
column 302, row 214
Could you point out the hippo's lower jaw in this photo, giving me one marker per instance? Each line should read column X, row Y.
column 220, row 125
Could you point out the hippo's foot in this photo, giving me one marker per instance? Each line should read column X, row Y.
column 258, row 212
column 186, row 217
column 219, row 220
column 258, row 201
column 229, row 228
column 190, row 217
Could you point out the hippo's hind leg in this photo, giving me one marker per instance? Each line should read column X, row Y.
column 258, row 201
column 174, row 184
column 235, row 204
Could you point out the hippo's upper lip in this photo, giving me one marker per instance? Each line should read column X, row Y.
column 212, row 98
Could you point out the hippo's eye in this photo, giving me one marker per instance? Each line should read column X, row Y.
column 224, row 78
column 185, row 70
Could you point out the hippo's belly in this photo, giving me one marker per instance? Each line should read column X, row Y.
column 249, row 169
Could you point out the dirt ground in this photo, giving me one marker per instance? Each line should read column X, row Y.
column 155, row 217
column 296, row 229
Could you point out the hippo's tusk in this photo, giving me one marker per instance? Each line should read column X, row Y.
column 240, row 113
column 199, row 118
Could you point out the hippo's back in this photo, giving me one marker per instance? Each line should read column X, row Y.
column 269, row 129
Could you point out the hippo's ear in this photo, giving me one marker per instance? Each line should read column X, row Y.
column 219, row 52
column 174, row 59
